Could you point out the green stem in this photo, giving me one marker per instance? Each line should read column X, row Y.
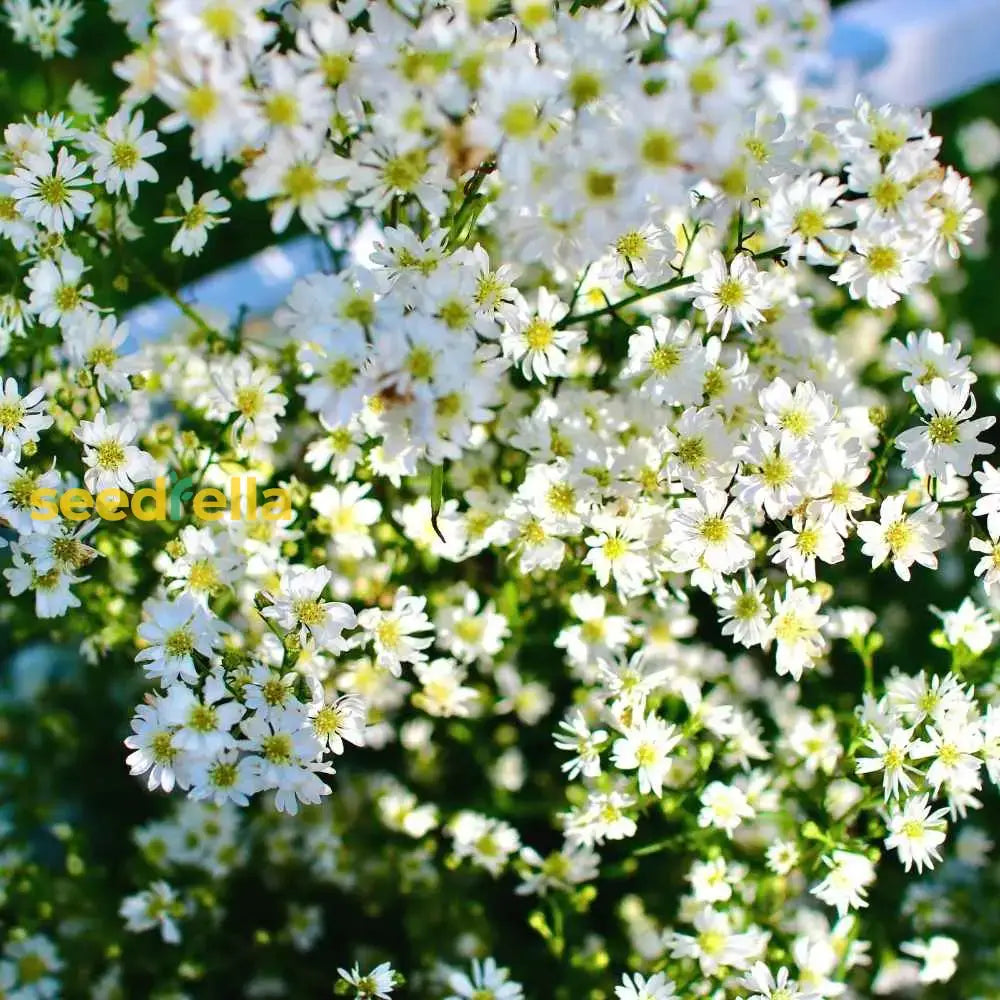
column 570, row 320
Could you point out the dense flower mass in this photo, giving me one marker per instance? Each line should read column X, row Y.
column 619, row 457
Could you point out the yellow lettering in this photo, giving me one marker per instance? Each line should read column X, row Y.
column 277, row 506
column 74, row 504
column 208, row 504
column 110, row 502
column 158, row 494
column 43, row 504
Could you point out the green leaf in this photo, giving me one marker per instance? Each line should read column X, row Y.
column 437, row 497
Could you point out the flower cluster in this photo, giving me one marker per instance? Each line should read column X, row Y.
column 618, row 448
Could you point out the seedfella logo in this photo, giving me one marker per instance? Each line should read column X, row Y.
column 166, row 501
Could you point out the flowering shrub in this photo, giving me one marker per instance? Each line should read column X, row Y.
column 595, row 656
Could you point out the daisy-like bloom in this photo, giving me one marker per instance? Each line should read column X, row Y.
column 619, row 550
column 646, row 747
column 22, row 418
column 64, row 550
column 298, row 608
column 768, row 986
column 905, row 539
column 969, row 624
column 938, row 956
column 947, row 444
column 649, row 15
column 724, row 807
column 916, row 832
column 795, row 627
column 575, row 736
column 246, row 396
column 196, row 220
column 710, row 532
column 733, row 293
column 58, row 294
column 488, row 980
column 120, row 151
column 533, row 341
column 810, row 539
column 743, row 611
column 201, row 723
column 337, row 721
column 846, row 883
column 953, row 212
column 112, row 460
column 395, row 632
column 954, row 747
column 299, row 180
column 155, row 907
column 346, row 515
column 471, row 631
column 153, row 749
column 643, row 253
column 284, row 758
column 375, row 985
column 671, row 361
column 92, row 342
column 17, row 493
column 574, row 864
column 886, row 266
column 891, row 758
column 989, row 566
column 51, row 192
column 638, row 987
column 988, row 505
column 53, row 593
column 174, row 632
column 926, row 356
column 804, row 216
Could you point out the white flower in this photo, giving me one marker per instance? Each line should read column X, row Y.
column 916, row 832
column 938, row 955
column 175, row 631
column 22, row 418
column 50, row 192
column 92, row 342
column 733, row 293
column 112, row 460
column 646, row 746
column 395, row 632
column 375, row 985
column 902, row 538
column 57, row 292
column 947, row 444
column 846, row 884
column 488, row 980
column 638, row 987
column 886, row 266
column 891, row 758
column 298, row 608
column 245, row 396
column 577, row 737
column 534, row 341
column 671, row 360
column 710, row 532
column 724, row 807
column 795, row 626
column 156, row 907
column 198, row 218
column 767, row 986
column 120, row 151
column 988, row 505
column 743, row 611
column 346, row 515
